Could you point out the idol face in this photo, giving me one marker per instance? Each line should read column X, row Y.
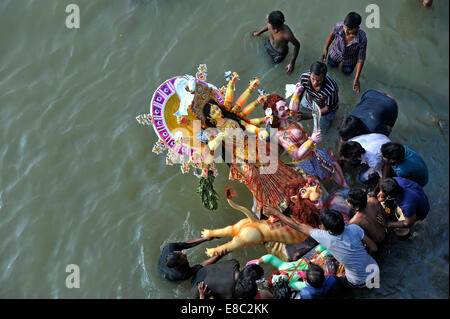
column 215, row 112
column 282, row 109
column 312, row 191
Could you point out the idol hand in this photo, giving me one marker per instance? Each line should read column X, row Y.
column 263, row 134
column 316, row 136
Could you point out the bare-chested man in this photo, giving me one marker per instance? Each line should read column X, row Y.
column 280, row 35
column 366, row 212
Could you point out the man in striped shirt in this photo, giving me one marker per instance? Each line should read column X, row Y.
column 316, row 85
column 349, row 47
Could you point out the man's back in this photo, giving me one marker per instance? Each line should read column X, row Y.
column 377, row 111
column 280, row 38
column 372, row 145
column 367, row 220
column 348, row 249
column 413, row 201
column 413, row 167
column 330, row 289
column 220, row 278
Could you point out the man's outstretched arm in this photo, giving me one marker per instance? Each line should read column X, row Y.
column 257, row 33
column 214, row 259
column 359, row 67
column 194, row 242
column 327, row 45
column 291, row 66
column 305, row 229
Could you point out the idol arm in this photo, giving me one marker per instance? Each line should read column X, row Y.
column 251, row 128
column 257, row 121
column 297, row 153
column 245, row 95
column 250, row 107
column 229, row 94
column 273, row 260
column 295, row 99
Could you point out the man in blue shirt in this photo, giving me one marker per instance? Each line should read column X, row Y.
column 346, row 243
column 408, row 196
column 405, row 162
column 375, row 113
column 319, row 286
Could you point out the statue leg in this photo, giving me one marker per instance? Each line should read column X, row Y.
column 228, row 231
column 246, row 236
column 232, row 245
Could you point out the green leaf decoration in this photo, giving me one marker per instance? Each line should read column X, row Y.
column 207, row 193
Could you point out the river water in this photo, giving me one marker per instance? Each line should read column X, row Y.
column 80, row 184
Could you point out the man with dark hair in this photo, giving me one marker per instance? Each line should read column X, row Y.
column 316, row 86
column 319, row 286
column 246, row 287
column 365, row 149
column 315, row 276
column 405, row 163
column 282, row 290
column 173, row 262
column 408, row 196
column 345, row 243
column 225, row 281
column 375, row 113
column 333, row 222
column 352, row 151
column 349, row 46
column 367, row 212
column 277, row 43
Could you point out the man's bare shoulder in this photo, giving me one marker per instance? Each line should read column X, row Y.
column 358, row 219
column 374, row 204
column 373, row 208
column 287, row 32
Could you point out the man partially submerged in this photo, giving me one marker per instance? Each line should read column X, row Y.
column 280, row 35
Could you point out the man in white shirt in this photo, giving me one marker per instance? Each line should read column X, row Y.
column 346, row 243
column 365, row 149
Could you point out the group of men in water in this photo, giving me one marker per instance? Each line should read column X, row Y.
column 395, row 177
